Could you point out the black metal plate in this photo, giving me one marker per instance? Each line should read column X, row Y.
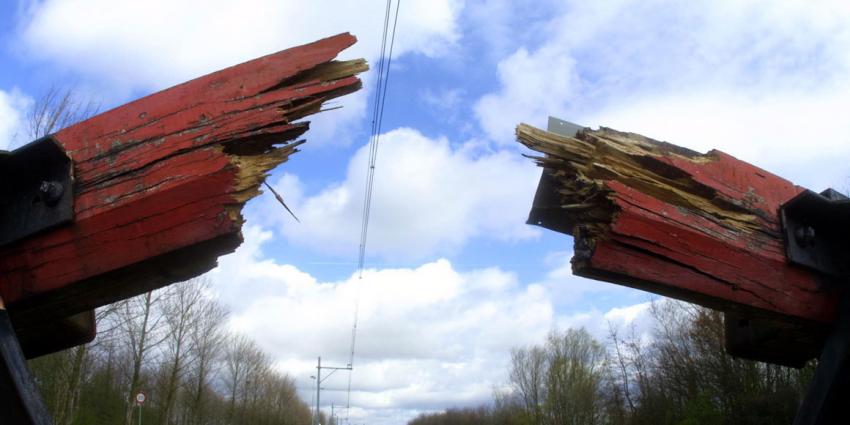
column 36, row 190
column 817, row 232
column 546, row 208
column 20, row 401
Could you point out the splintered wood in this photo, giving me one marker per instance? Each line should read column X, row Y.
column 160, row 182
column 704, row 228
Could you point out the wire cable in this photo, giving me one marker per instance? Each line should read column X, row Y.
column 384, row 63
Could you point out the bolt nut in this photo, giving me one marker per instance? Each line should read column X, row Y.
column 51, row 192
column 805, row 236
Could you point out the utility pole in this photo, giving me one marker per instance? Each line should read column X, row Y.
column 318, row 390
column 319, row 380
column 312, row 399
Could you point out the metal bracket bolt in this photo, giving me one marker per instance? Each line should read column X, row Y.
column 51, row 192
column 805, row 236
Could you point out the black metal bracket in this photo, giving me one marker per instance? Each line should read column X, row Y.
column 36, row 194
column 36, row 189
column 817, row 232
column 828, row 393
column 817, row 236
column 546, row 208
column 20, row 401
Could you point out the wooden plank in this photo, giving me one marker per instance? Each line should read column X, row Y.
column 703, row 228
column 160, row 182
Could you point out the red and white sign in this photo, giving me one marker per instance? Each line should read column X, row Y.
column 140, row 398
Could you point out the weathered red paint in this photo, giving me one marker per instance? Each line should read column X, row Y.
column 699, row 260
column 660, row 242
column 159, row 175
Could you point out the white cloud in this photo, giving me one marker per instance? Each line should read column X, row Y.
column 627, row 320
column 429, row 337
column 756, row 79
column 627, row 314
column 153, row 44
column 802, row 137
column 423, row 331
column 568, row 291
column 13, row 107
column 395, row 305
column 534, row 85
column 429, row 197
column 123, row 47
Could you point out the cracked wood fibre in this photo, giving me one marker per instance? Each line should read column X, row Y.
column 160, row 182
column 703, row 228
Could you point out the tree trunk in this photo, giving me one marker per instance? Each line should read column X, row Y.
column 72, row 387
column 138, row 358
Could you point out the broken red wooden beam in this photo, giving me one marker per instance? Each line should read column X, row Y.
column 703, row 228
column 160, row 182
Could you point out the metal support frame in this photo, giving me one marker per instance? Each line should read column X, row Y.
column 829, row 390
column 319, row 381
column 546, row 210
column 817, row 232
column 817, row 236
column 20, row 401
column 36, row 194
column 36, row 190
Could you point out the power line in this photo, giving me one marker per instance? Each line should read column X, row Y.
column 384, row 63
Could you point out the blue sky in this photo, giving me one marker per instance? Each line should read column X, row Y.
column 455, row 277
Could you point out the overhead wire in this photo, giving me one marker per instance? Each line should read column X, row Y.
column 384, row 62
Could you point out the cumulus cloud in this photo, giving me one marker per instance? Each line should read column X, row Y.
column 800, row 137
column 534, row 85
column 423, row 331
column 752, row 78
column 128, row 47
column 13, row 105
column 429, row 196
column 157, row 43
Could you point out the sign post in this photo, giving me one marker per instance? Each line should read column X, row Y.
column 140, row 399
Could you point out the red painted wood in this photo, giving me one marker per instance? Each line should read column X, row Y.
column 701, row 228
column 678, row 252
column 708, row 263
column 158, row 175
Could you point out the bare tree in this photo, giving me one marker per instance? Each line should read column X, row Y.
column 142, row 324
column 576, row 364
column 561, row 381
column 57, row 109
column 183, row 308
column 527, row 375
column 207, row 339
column 239, row 348
column 622, row 362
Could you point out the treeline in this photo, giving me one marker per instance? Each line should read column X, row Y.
column 680, row 376
column 170, row 345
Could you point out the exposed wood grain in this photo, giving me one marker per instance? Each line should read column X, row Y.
column 699, row 227
column 160, row 182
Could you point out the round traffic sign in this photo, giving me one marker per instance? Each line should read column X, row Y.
column 140, row 398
